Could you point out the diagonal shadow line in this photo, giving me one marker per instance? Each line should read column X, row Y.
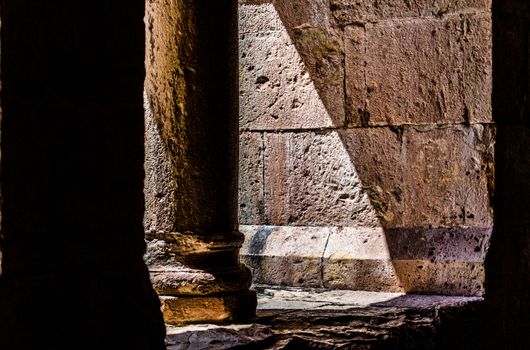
column 322, row 50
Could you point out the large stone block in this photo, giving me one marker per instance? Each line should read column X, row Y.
column 313, row 181
column 276, row 89
column 291, row 66
column 448, row 176
column 415, row 71
column 251, row 182
column 420, row 71
column 352, row 11
column 463, row 244
column 358, row 258
column 444, row 261
column 443, row 278
column 290, row 256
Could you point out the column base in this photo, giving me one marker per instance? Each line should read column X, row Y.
column 235, row 307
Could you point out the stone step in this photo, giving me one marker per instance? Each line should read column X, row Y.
column 296, row 318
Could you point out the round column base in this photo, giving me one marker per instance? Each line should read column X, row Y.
column 222, row 308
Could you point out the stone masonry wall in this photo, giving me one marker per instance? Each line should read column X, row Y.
column 366, row 148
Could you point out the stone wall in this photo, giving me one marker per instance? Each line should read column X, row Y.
column 367, row 143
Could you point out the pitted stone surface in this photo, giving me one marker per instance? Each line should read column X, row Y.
column 446, row 261
column 351, row 11
column 307, row 319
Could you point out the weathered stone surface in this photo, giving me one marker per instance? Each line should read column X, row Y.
column 251, row 179
column 456, row 244
column 424, row 63
column 277, row 298
column 159, row 184
column 378, row 157
column 309, row 318
column 446, row 261
column 414, row 71
column 192, row 158
column 351, row 177
column 351, row 11
column 420, row 71
column 211, row 337
column 358, row 274
column 181, row 281
column 358, row 258
column 403, row 323
column 290, row 256
column 208, row 309
column 448, row 176
column 477, row 48
column 256, row 18
column 277, row 165
column 320, row 44
column 312, row 181
column 276, row 89
column 449, row 277
column 362, row 243
column 291, row 68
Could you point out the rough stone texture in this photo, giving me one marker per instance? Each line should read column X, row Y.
column 276, row 91
column 251, row 178
column 281, row 298
column 310, row 180
column 409, row 177
column 220, row 308
column 191, row 110
column 358, row 274
column 291, row 67
column 478, row 84
column 443, row 261
column 441, row 277
column 295, row 319
column 211, row 337
column 379, row 158
column 448, row 176
column 290, row 256
column 276, row 179
column 441, row 244
column 420, row 71
column 159, row 184
column 355, row 47
column 352, row 11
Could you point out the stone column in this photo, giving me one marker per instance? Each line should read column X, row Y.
column 191, row 101
column 72, row 178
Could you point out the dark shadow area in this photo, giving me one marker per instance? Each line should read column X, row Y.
column 72, row 178
column 508, row 262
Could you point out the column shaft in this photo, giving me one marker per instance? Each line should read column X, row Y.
column 191, row 164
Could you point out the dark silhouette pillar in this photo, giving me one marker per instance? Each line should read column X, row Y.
column 191, row 164
column 72, row 178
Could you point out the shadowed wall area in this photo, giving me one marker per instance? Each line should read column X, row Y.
column 72, row 174
column 508, row 264
column 367, row 143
